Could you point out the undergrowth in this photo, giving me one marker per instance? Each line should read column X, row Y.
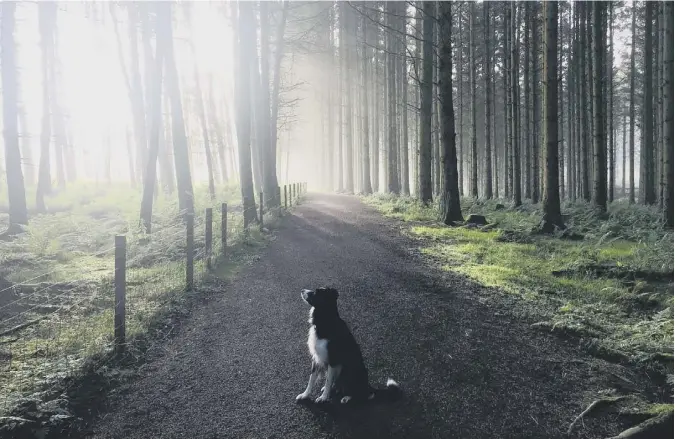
column 57, row 278
column 613, row 289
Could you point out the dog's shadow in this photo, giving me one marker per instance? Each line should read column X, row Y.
column 358, row 419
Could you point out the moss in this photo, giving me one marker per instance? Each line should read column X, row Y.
column 589, row 306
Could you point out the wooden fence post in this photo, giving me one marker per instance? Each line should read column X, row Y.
column 278, row 197
column 285, row 197
column 208, row 235
column 120, row 292
column 261, row 210
column 223, row 228
column 190, row 263
column 292, row 193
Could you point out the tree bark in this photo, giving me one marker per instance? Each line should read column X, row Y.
column 585, row 184
column 488, row 98
column 452, row 210
column 610, row 79
column 46, row 17
column 528, row 110
column 668, row 116
column 648, row 195
column 246, row 44
column 633, row 73
column 515, row 134
column 204, row 127
column 349, row 97
column 155, row 113
column 425, row 180
column 551, row 200
column 405, row 165
column 271, row 182
column 367, row 187
column 18, row 212
column 536, row 104
column 180, row 145
column 472, row 85
column 600, row 175
column 276, row 81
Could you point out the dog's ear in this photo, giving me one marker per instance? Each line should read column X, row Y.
column 333, row 292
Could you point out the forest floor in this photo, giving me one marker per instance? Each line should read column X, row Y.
column 56, row 289
column 469, row 365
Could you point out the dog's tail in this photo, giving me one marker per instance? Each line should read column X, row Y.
column 390, row 393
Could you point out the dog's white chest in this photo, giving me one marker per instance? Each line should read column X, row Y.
column 318, row 347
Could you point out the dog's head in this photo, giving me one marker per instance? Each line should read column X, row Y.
column 321, row 298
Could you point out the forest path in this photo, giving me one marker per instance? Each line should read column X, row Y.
column 238, row 362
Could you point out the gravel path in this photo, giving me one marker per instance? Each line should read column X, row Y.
column 240, row 359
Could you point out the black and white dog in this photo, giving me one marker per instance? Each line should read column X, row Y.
column 334, row 349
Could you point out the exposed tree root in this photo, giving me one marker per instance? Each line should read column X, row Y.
column 595, row 405
column 660, row 426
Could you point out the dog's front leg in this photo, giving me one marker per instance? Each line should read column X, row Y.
column 331, row 376
column 310, row 385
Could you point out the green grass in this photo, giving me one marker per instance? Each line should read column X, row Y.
column 633, row 319
column 64, row 264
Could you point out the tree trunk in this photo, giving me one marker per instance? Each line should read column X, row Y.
column 460, row 90
column 18, row 213
column 342, row 55
column 551, row 200
column 246, row 46
column 472, row 85
column 648, row 195
column 570, row 111
column 218, row 129
column 180, row 145
column 528, row 115
column 488, row 104
column 349, row 97
column 46, row 17
column 435, row 111
column 205, row 128
column 515, row 134
column 425, row 180
column 375, row 84
column 585, row 184
column 155, row 113
column 624, row 123
column 633, row 73
column 367, row 187
column 166, row 139
column 508, row 87
column 271, row 182
column 276, row 81
column 610, row 79
column 668, row 116
column 452, row 210
column 405, row 166
column 600, row 175
column 26, row 151
column 536, row 104
column 393, row 176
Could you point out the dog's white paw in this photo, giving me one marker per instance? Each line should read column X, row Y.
column 322, row 399
column 345, row 399
column 302, row 397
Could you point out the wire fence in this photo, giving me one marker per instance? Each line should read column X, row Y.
column 50, row 331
